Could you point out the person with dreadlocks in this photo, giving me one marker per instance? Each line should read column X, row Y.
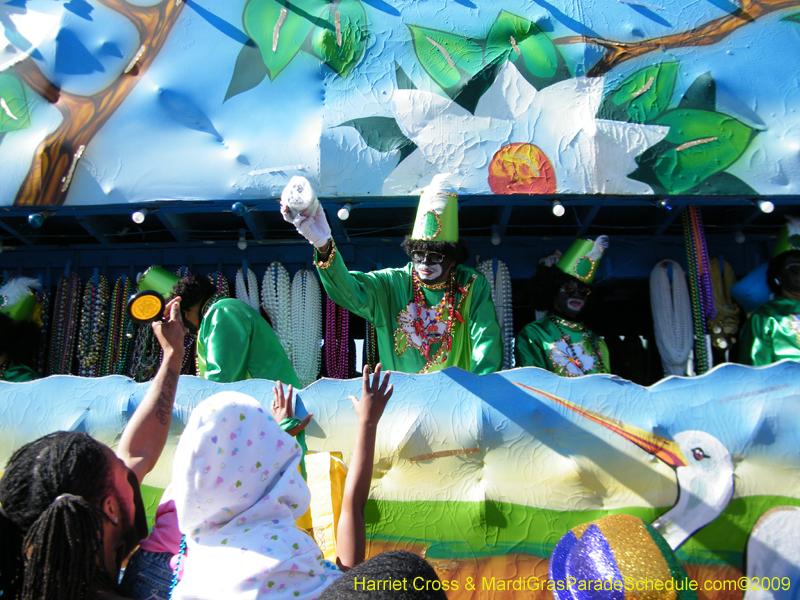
column 71, row 507
column 431, row 314
column 560, row 342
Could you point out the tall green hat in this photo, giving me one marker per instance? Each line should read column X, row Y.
column 583, row 257
column 789, row 237
column 437, row 213
column 17, row 300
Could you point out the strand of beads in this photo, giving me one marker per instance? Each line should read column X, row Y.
column 672, row 316
column 371, row 343
column 699, row 289
column 178, row 570
column 276, row 300
column 247, row 293
column 119, row 341
column 337, row 339
column 43, row 301
column 189, row 362
column 93, row 327
column 501, row 296
column 306, row 326
column 65, row 323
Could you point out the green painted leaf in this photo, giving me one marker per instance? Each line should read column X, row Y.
column 249, row 71
column 13, row 105
column 279, row 28
column 381, row 133
column 519, row 39
column 403, row 81
column 723, row 184
column 470, row 92
column 699, row 144
column 643, row 96
column 446, row 57
column 342, row 47
column 792, row 17
column 702, row 94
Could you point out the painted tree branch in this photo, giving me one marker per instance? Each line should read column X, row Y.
column 704, row 35
column 54, row 162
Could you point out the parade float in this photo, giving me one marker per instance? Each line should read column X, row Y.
column 162, row 132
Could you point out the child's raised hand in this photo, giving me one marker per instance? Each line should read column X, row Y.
column 374, row 397
column 282, row 408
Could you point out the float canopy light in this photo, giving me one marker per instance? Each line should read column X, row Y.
column 558, row 209
column 766, row 206
column 139, row 215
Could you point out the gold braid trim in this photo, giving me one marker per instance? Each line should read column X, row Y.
column 324, row 264
column 438, row 356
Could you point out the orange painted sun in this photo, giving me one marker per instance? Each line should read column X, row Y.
column 521, row 169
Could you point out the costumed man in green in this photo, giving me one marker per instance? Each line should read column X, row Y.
column 560, row 342
column 431, row 314
column 772, row 332
column 20, row 330
column 234, row 342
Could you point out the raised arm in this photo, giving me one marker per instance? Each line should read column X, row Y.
column 351, row 535
column 144, row 438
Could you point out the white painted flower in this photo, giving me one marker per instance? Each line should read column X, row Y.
column 573, row 359
column 520, row 140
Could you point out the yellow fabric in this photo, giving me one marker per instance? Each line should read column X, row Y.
column 326, row 476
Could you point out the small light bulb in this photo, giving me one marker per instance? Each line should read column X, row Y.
column 139, row 215
column 558, row 209
column 36, row 220
column 496, row 239
column 344, row 212
column 739, row 237
column 766, row 206
column 238, row 209
column 241, row 244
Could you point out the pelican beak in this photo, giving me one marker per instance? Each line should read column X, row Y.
column 666, row 450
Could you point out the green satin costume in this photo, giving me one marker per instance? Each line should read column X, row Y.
column 381, row 296
column 235, row 342
column 539, row 345
column 771, row 333
column 17, row 373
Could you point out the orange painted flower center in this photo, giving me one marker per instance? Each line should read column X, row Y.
column 521, row 169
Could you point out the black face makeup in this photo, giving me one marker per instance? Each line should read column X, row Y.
column 571, row 299
column 431, row 267
column 790, row 275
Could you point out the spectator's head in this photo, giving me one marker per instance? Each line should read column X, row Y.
column 75, row 503
column 194, row 291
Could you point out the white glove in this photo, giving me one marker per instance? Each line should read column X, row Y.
column 314, row 227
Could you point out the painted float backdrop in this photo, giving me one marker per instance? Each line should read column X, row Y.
column 483, row 475
column 116, row 102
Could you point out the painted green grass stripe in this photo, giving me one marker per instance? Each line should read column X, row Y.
column 468, row 529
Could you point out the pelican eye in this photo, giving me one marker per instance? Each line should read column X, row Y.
column 699, row 454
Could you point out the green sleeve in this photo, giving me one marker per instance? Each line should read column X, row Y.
column 363, row 294
column 756, row 341
column 484, row 331
column 603, row 349
column 227, row 340
column 19, row 373
column 529, row 350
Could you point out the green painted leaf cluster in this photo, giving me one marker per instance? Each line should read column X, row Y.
column 455, row 61
column 280, row 29
column 643, row 96
column 701, row 142
column 14, row 113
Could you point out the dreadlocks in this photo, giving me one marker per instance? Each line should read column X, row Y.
column 52, row 490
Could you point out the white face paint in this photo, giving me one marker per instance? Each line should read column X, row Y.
column 428, row 273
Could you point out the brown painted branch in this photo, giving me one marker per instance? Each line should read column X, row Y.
column 705, row 35
column 48, row 179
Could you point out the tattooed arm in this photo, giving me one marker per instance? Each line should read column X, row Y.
column 146, row 434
